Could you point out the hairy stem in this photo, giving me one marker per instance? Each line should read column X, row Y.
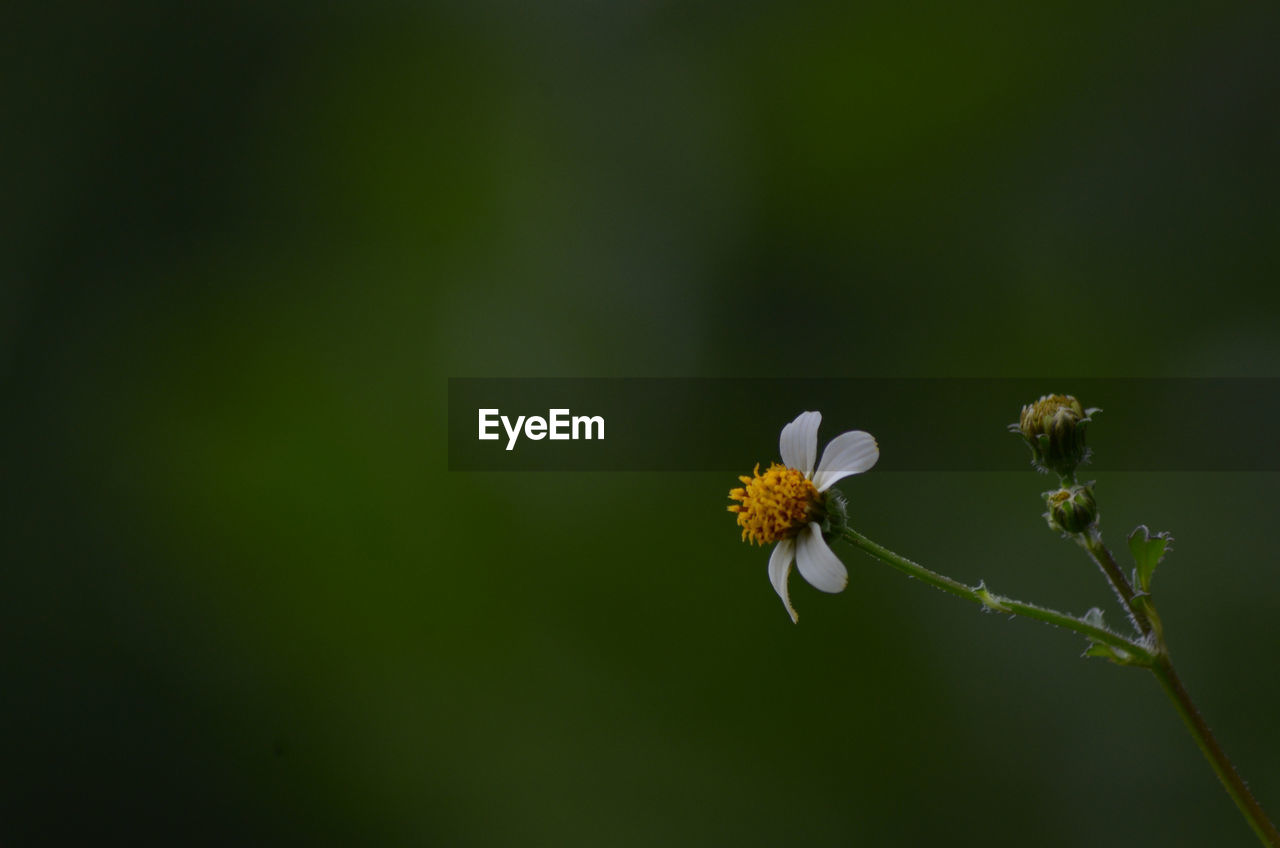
column 1212, row 750
column 1146, row 622
column 980, row 595
column 1157, row 658
column 1100, row 554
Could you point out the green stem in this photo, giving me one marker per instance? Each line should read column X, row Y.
column 1158, row 660
column 980, row 595
column 1222, row 766
column 1100, row 554
column 1147, row 622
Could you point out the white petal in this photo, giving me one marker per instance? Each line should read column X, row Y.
column 780, row 569
column 848, row 453
column 817, row 563
column 799, row 442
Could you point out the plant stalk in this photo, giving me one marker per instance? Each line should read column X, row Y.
column 1100, row 554
column 1156, row 659
column 981, row 595
column 1212, row 750
column 1163, row 669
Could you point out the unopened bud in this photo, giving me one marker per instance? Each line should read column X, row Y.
column 1054, row 429
column 1071, row 510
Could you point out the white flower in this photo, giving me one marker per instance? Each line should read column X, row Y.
column 787, row 503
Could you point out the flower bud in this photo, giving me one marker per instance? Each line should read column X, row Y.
column 1071, row 510
column 1054, row 429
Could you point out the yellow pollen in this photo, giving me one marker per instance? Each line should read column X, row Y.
column 776, row 504
column 1059, row 497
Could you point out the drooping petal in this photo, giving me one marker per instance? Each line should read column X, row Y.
column 848, row 453
column 780, row 569
column 822, row 568
column 798, row 443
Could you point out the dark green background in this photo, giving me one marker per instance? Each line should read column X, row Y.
column 244, row 246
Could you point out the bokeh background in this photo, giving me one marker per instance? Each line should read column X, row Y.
column 244, row 246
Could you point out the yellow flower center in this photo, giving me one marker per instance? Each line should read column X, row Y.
column 776, row 504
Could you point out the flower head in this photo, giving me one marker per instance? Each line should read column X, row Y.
column 789, row 503
column 1071, row 509
column 1054, row 430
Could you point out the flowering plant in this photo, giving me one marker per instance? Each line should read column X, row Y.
column 793, row 506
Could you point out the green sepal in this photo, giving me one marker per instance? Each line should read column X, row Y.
column 837, row 514
column 1147, row 552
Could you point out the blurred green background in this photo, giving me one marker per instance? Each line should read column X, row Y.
column 245, row 244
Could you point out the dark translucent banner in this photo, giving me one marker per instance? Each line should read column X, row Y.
column 660, row 424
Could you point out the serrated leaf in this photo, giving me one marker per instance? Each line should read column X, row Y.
column 1147, row 552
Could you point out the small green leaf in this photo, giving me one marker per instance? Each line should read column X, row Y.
column 1119, row 656
column 1147, row 551
column 990, row 602
column 1097, row 649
